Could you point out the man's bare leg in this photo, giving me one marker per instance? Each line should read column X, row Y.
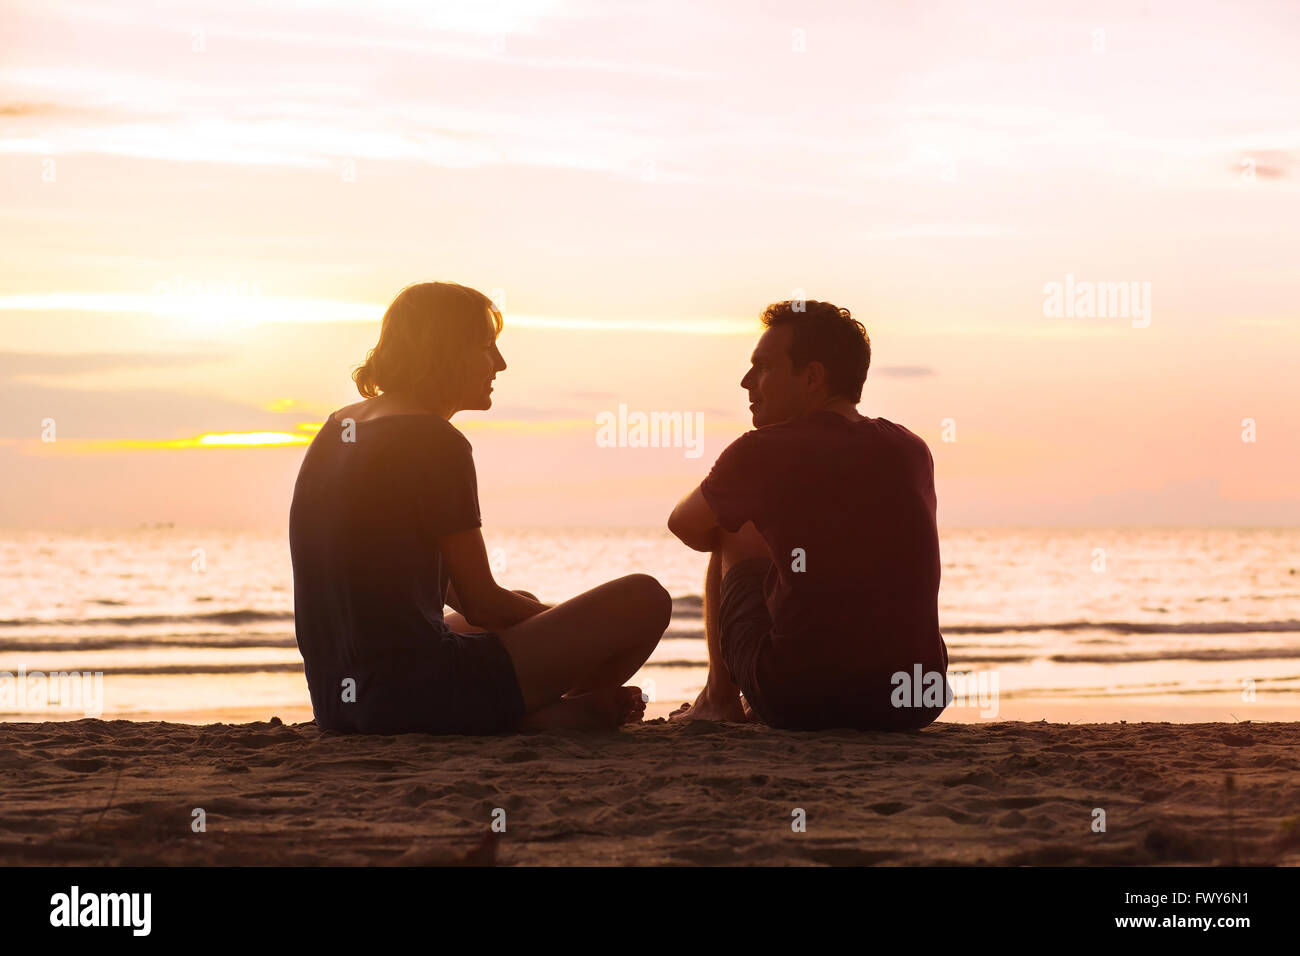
column 720, row 698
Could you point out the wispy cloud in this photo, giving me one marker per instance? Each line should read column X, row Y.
column 255, row 309
column 903, row 371
column 18, row 365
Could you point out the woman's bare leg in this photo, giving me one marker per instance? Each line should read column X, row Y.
column 598, row 701
column 586, row 648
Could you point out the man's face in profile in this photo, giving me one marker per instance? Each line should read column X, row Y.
column 775, row 395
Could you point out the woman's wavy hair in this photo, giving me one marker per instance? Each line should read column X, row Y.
column 427, row 330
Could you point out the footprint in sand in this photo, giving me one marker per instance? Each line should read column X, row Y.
column 80, row 765
column 849, row 856
column 974, row 778
column 888, row 808
column 522, row 755
column 1012, row 820
column 1019, row 803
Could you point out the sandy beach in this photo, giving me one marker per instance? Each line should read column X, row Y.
column 1006, row 793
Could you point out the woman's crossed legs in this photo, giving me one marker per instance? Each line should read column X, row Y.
column 572, row 660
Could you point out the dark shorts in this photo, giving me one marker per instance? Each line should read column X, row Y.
column 745, row 627
column 459, row 684
column 807, row 701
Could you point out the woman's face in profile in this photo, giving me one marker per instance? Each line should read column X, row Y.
column 481, row 366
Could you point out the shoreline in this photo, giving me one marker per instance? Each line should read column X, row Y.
column 1053, row 710
column 1001, row 793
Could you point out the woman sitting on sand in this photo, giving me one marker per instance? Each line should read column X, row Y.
column 385, row 528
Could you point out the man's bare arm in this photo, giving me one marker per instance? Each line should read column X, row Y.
column 694, row 523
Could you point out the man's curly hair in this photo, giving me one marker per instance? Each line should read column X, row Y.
column 828, row 334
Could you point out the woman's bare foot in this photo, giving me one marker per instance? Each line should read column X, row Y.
column 709, row 707
column 604, row 709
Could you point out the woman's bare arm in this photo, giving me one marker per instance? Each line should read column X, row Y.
column 482, row 601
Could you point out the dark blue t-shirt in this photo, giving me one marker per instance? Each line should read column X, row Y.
column 370, row 582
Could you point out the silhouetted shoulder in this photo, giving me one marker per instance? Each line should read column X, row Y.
column 433, row 429
column 441, row 439
column 905, row 437
column 777, row 432
column 449, row 432
column 901, row 430
column 420, row 441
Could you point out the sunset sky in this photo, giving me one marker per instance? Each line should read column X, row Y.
column 206, row 207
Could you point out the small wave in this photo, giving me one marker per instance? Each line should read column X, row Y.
column 1093, row 693
column 651, row 665
column 216, row 642
column 273, row 667
column 1132, row 627
column 180, row 670
column 691, row 606
column 1209, row 654
column 243, row 616
column 688, row 605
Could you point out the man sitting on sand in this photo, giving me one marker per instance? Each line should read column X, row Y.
column 823, row 576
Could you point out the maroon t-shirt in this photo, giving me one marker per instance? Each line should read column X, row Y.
column 853, row 504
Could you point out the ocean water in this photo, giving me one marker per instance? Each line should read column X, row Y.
column 1062, row 625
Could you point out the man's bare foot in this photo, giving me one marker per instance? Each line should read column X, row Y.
column 604, row 709
column 707, row 707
